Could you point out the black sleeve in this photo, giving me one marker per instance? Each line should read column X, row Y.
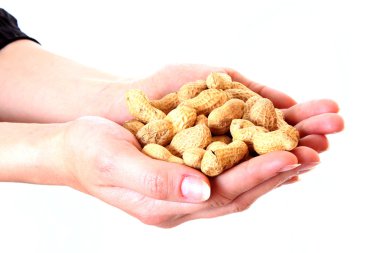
column 9, row 30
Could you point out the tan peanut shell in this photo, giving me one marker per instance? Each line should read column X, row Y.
column 193, row 157
column 284, row 139
column 218, row 80
column 207, row 101
column 280, row 119
column 242, row 94
column 263, row 113
column 133, row 125
column 201, row 119
column 223, row 138
column 248, row 105
column 215, row 145
column 167, row 103
column 182, row 117
column 245, row 130
column 140, row 107
column 219, row 120
column 190, row 90
column 160, row 153
column 157, row 131
column 216, row 161
column 198, row 136
column 238, row 85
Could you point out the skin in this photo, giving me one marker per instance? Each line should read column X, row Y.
column 97, row 156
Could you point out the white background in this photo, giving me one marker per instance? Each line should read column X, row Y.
column 309, row 49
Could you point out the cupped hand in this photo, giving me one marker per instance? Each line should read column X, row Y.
column 154, row 191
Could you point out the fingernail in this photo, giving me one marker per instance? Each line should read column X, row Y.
column 289, row 167
column 290, row 180
column 305, row 167
column 195, row 189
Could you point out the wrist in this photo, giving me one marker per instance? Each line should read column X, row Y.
column 32, row 153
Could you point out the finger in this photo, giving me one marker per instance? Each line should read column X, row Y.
column 149, row 211
column 317, row 142
column 279, row 99
column 300, row 112
column 251, row 173
column 307, row 157
column 322, row 124
column 243, row 201
column 128, row 168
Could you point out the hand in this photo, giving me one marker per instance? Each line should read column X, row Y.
column 104, row 160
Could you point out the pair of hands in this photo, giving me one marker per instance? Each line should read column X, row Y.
column 104, row 160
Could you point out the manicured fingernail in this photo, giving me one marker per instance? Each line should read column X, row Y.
column 289, row 167
column 195, row 189
column 305, row 167
column 290, row 180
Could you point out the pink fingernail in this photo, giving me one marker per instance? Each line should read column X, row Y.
column 289, row 167
column 195, row 189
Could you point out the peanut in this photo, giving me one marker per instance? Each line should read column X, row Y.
column 248, row 105
column 223, row 138
column 140, row 107
column 219, row 120
column 215, row 145
column 198, row 136
column 133, row 126
column 203, row 115
column 193, row 157
column 217, row 80
column 157, row 131
column 159, row 152
column 190, row 90
column 286, row 138
column 242, row 94
column 182, row 117
column 167, row 103
column 207, row 101
column 216, row 161
column 263, row 113
column 201, row 119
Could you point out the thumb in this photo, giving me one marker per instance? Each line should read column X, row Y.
column 158, row 179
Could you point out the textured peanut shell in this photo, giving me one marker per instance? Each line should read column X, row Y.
column 248, row 105
column 193, row 157
column 157, row 131
column 140, row 107
column 284, row 139
column 207, row 101
column 242, row 94
column 238, row 85
column 133, row 125
column 201, row 119
column 216, row 161
column 198, row 136
column 167, row 103
column 160, row 153
column 223, row 138
column 280, row 119
column 219, row 120
column 263, row 113
column 182, row 117
column 190, row 90
column 215, row 145
column 218, row 80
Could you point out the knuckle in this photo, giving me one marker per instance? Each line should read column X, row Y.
column 156, row 186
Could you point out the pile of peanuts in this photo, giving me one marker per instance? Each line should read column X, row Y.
column 210, row 125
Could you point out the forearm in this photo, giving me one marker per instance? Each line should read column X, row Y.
column 31, row 153
column 38, row 86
